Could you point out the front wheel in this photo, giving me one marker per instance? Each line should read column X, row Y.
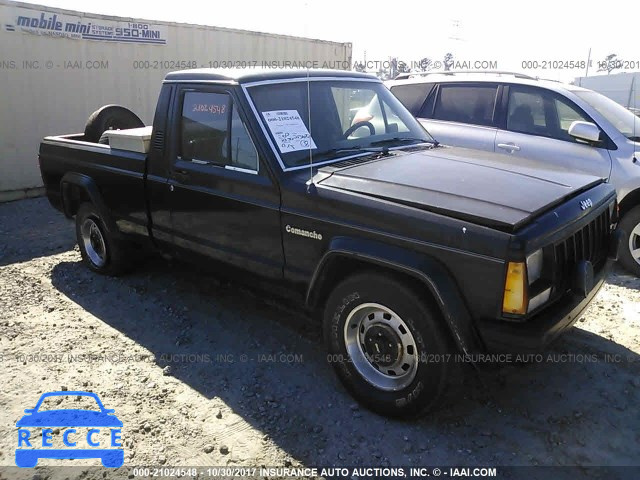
column 387, row 345
column 629, row 253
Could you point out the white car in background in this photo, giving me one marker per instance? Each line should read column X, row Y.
column 537, row 122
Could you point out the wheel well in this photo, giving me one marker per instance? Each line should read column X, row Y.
column 72, row 197
column 341, row 267
column 631, row 200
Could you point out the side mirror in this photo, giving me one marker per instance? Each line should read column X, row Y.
column 585, row 131
column 29, row 410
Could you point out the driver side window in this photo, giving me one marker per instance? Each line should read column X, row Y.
column 205, row 127
column 212, row 131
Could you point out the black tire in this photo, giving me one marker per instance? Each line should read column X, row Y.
column 431, row 341
column 629, row 222
column 110, row 117
column 100, row 251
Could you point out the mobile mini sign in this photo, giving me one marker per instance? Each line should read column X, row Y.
column 56, row 25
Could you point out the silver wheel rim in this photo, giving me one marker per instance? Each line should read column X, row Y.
column 93, row 242
column 381, row 346
column 634, row 243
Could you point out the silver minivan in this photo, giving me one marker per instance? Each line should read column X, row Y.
column 537, row 122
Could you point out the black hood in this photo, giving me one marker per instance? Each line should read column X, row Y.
column 485, row 188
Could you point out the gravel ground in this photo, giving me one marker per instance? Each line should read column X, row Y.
column 206, row 372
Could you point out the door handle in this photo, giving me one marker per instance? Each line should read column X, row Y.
column 509, row 146
column 181, row 175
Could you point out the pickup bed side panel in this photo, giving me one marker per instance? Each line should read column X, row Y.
column 118, row 177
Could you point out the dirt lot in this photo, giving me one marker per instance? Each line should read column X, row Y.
column 206, row 372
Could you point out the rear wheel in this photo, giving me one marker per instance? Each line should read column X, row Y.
column 100, row 251
column 387, row 345
column 629, row 253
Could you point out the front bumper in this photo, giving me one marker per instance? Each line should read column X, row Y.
column 539, row 331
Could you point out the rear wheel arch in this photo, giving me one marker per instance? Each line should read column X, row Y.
column 73, row 195
column 77, row 189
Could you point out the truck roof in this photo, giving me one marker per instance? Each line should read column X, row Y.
column 247, row 75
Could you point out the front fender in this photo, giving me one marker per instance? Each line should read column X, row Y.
column 425, row 269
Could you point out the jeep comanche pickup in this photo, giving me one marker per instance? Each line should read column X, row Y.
column 409, row 250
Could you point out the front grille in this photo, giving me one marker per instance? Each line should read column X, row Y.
column 589, row 243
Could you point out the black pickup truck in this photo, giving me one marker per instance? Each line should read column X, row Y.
column 413, row 254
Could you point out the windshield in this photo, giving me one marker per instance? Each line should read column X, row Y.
column 621, row 118
column 347, row 118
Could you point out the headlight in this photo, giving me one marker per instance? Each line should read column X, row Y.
column 534, row 266
column 539, row 299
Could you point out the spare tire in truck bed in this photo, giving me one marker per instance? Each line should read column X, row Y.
column 110, row 117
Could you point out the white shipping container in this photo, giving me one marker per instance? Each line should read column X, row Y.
column 57, row 66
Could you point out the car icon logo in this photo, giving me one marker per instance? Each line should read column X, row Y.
column 69, row 421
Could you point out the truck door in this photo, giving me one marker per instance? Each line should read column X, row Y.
column 224, row 206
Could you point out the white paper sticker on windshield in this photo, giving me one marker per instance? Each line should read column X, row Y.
column 289, row 130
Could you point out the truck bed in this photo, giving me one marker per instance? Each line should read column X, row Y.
column 119, row 174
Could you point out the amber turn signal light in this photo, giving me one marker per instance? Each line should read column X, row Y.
column 515, row 289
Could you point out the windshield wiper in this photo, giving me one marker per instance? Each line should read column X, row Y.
column 337, row 151
column 382, row 149
column 404, row 139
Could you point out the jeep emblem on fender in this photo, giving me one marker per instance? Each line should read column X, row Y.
column 584, row 204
